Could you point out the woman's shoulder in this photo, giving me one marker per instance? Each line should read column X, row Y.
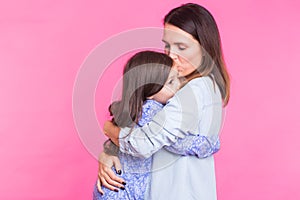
column 204, row 88
column 200, row 84
column 201, row 81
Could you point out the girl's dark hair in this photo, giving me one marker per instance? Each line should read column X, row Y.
column 144, row 75
column 198, row 21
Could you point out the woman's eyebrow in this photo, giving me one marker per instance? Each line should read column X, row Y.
column 175, row 43
column 180, row 43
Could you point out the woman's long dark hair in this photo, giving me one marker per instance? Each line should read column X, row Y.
column 198, row 21
column 144, row 75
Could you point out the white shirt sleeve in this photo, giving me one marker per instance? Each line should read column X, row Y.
column 180, row 117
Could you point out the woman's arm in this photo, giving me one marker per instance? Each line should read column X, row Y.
column 191, row 145
column 110, row 148
column 179, row 118
column 106, row 176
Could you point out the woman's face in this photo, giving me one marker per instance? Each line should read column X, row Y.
column 182, row 48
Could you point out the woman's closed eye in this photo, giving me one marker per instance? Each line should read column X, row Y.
column 181, row 47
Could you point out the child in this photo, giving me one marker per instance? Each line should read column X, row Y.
column 148, row 83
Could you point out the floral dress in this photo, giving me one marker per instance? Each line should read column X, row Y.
column 136, row 171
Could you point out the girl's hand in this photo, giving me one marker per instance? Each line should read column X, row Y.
column 106, row 176
column 112, row 131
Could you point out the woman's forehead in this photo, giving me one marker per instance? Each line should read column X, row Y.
column 173, row 34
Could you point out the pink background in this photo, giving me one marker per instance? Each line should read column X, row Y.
column 43, row 44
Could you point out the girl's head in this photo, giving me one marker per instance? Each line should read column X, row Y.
column 192, row 39
column 147, row 75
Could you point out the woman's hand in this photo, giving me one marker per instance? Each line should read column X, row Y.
column 106, row 176
column 112, row 131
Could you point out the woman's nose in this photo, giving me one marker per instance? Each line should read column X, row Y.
column 173, row 55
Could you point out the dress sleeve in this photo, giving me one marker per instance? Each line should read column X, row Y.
column 198, row 145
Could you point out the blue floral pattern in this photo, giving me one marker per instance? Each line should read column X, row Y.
column 199, row 146
column 136, row 171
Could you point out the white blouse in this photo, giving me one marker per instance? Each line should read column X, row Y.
column 195, row 109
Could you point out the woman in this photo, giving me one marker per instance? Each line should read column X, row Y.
column 192, row 39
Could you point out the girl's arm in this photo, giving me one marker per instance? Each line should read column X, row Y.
column 199, row 146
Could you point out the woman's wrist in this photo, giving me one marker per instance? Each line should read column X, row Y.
column 110, row 148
